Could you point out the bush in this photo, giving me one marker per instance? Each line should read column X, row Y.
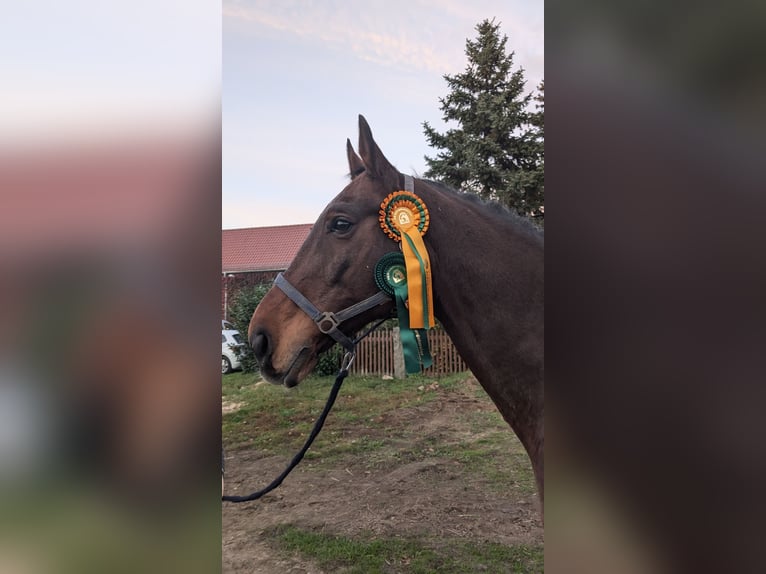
column 241, row 310
column 329, row 361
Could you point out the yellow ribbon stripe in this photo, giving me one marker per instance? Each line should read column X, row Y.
column 420, row 291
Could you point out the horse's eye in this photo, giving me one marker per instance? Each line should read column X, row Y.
column 340, row 225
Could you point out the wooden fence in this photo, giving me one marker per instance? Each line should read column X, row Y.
column 375, row 354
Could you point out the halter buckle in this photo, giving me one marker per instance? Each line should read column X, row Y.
column 323, row 319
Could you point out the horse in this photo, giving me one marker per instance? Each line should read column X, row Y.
column 487, row 268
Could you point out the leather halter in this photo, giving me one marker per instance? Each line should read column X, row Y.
column 328, row 322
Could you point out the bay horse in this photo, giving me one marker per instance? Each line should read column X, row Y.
column 488, row 276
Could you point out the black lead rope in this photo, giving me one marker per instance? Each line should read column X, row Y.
column 348, row 359
column 342, row 374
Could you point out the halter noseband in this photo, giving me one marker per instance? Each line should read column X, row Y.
column 328, row 322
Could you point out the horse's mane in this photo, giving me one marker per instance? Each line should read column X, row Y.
column 492, row 207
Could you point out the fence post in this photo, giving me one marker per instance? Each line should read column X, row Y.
column 399, row 372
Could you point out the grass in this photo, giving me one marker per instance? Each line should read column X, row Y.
column 272, row 415
column 486, row 457
column 276, row 420
column 374, row 423
column 368, row 555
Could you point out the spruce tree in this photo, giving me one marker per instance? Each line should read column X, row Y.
column 496, row 148
column 535, row 191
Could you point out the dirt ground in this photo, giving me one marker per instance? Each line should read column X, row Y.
column 435, row 498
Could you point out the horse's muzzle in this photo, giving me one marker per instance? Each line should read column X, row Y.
column 261, row 344
column 263, row 349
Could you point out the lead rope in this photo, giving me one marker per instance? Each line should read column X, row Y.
column 348, row 360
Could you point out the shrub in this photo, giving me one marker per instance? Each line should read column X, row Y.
column 241, row 309
column 329, row 361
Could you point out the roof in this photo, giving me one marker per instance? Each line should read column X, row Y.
column 261, row 248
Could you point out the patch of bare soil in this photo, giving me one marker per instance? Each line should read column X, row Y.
column 434, row 498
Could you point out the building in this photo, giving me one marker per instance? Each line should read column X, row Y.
column 255, row 255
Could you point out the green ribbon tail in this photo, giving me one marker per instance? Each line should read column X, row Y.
column 425, row 352
column 410, row 348
column 417, row 355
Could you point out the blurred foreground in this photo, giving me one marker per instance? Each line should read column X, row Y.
column 109, row 382
column 110, row 178
column 655, row 319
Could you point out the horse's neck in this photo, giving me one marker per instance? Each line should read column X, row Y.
column 488, row 287
column 486, row 270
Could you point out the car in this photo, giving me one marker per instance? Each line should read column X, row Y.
column 226, row 326
column 230, row 340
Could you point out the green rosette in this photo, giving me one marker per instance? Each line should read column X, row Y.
column 391, row 277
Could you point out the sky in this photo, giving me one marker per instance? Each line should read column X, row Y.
column 88, row 69
column 296, row 75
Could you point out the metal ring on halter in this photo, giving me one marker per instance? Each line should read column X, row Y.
column 348, row 360
column 324, row 319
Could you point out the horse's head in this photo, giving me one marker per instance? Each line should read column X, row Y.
column 334, row 269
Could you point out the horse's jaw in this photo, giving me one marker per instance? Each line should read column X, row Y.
column 302, row 364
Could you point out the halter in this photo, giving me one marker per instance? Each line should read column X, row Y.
column 329, row 322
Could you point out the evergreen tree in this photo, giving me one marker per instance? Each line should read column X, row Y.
column 535, row 192
column 496, row 150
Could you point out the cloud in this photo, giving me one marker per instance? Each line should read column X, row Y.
column 379, row 34
column 407, row 35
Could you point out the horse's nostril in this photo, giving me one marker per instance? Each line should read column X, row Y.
column 260, row 344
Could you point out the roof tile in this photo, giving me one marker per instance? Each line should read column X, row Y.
column 261, row 248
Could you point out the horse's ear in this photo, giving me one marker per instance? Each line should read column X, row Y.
column 355, row 163
column 375, row 162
